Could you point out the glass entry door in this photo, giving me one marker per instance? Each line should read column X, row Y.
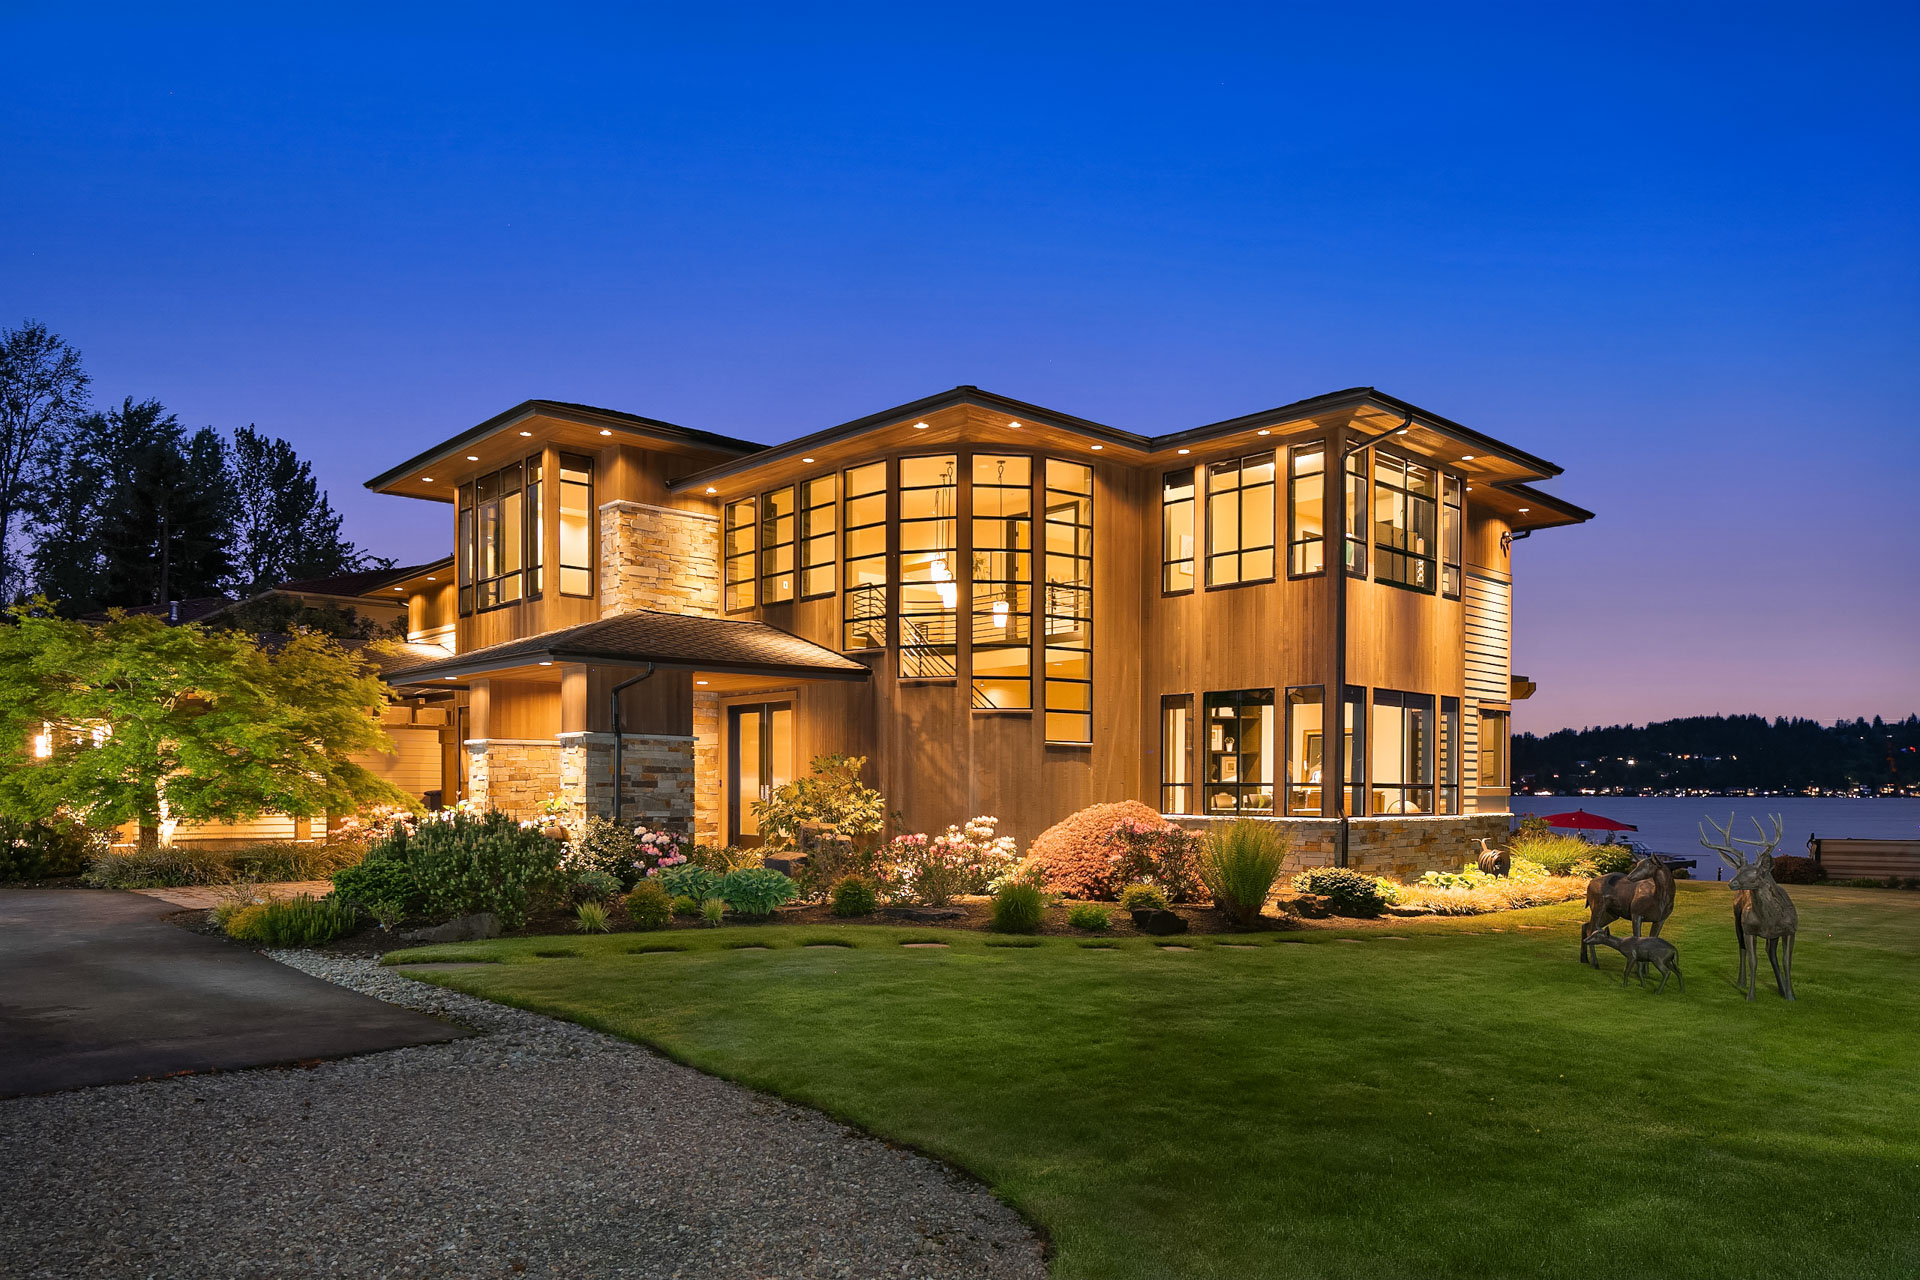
column 759, row 759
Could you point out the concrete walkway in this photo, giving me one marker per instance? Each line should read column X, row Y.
column 97, row 988
column 208, row 897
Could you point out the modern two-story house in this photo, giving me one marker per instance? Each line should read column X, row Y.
column 1005, row 609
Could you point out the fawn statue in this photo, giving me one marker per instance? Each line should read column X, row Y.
column 1641, row 952
column 1643, row 895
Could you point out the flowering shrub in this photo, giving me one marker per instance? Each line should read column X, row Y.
column 1105, row 846
column 655, row 851
column 932, row 869
column 1471, row 891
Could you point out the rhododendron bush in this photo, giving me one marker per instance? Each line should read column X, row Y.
column 932, row 869
column 1103, row 848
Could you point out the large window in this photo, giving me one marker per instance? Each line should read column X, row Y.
column 929, row 560
column 1449, row 768
column 1239, row 751
column 1306, row 749
column 499, row 534
column 576, row 525
column 1450, row 528
column 1002, row 582
column 1176, row 753
column 536, row 549
column 1356, row 530
column 1176, row 530
column 1493, row 750
column 1354, row 750
column 1069, row 602
column 740, row 573
column 1240, row 520
column 819, row 508
column 1306, row 510
column 778, row 525
column 1402, row 752
column 1404, row 495
column 864, row 552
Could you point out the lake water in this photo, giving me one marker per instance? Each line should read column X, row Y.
column 1671, row 824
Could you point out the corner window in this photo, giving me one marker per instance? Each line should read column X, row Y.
column 1356, row 530
column 1306, row 510
column 1239, row 751
column 929, row 559
column 1404, row 496
column 1402, row 752
column 1450, row 527
column 499, row 537
column 1493, row 750
column 536, row 531
column 463, row 536
column 739, row 575
column 576, row 525
column 819, row 509
column 1176, row 753
column 864, row 551
column 1240, row 521
column 1002, row 582
column 777, row 530
column 1069, row 601
column 1176, row 531
column 1306, row 749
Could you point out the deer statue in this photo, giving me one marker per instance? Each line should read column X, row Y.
column 1494, row 862
column 1761, row 908
column 1641, row 952
column 1642, row 895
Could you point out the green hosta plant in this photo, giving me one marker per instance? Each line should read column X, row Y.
column 755, row 891
column 689, row 880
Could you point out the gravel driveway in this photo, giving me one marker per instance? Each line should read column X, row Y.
column 536, row 1147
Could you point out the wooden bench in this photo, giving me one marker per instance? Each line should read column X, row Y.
column 1866, row 859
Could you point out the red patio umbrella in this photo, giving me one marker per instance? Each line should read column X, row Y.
column 1581, row 820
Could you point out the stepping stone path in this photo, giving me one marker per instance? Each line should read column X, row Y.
column 923, row 944
column 1175, row 947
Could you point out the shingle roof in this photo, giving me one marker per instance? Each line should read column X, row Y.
column 354, row 584
column 670, row 639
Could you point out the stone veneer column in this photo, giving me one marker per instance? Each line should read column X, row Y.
column 706, row 768
column 657, row 781
column 513, row 774
column 658, row 558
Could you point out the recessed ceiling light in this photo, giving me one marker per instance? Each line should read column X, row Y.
column 1263, row 432
column 446, row 677
column 431, row 578
column 396, row 588
column 1469, row 488
column 1402, row 431
column 699, row 681
column 546, row 664
column 1097, row 448
column 1524, row 510
column 806, row 459
column 473, row 458
column 605, row 432
column 1014, row 425
column 711, row 489
column 1467, row 458
column 1186, row 451
column 527, row 434
column 426, row 479
column 919, row 426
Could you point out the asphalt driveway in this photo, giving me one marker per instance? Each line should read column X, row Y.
column 97, row 988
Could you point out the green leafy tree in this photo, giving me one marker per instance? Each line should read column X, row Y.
column 831, row 797
column 150, row 720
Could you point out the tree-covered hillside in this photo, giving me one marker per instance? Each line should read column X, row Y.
column 1724, row 753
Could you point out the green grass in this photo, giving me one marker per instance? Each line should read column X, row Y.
column 1442, row 1098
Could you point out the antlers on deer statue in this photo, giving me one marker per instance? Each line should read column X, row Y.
column 1761, row 908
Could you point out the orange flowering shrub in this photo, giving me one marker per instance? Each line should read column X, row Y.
column 1096, row 851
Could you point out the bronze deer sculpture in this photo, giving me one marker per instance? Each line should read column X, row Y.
column 1761, row 908
column 1642, row 952
column 1642, row 895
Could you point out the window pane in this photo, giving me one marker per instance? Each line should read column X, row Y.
column 1002, row 582
column 1305, row 749
column 576, row 525
column 741, row 569
column 778, row 526
column 1176, row 530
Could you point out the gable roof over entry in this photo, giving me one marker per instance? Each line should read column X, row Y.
column 675, row 640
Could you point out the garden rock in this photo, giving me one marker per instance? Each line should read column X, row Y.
column 473, row 928
column 1313, row 906
column 1158, row 922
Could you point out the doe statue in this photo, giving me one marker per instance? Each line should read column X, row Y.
column 1641, row 952
column 1642, row 895
column 1761, row 908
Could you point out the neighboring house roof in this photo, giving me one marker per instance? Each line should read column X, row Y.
column 669, row 639
column 356, row 584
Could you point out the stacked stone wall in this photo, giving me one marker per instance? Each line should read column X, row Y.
column 516, row 775
column 658, row 558
column 1402, row 848
column 657, row 773
column 707, row 776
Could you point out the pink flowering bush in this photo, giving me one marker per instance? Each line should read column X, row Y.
column 932, row 870
column 1104, row 847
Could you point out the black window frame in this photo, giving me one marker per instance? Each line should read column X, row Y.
column 772, row 543
column 810, row 537
column 857, row 612
column 1168, row 506
column 582, row 465
column 1176, row 759
column 1297, row 543
column 1393, row 554
column 1241, row 550
column 1212, row 757
column 1453, row 525
column 743, row 580
column 1014, row 587
column 1415, row 798
column 1079, row 592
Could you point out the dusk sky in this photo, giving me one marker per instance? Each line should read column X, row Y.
column 1674, row 251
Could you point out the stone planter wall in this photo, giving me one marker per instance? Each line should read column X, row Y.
column 513, row 774
column 658, row 558
column 657, row 771
column 1403, row 848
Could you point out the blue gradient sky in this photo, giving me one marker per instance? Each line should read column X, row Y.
column 1672, row 250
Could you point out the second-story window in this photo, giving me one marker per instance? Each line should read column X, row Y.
column 1306, row 510
column 1403, row 522
column 1002, row 582
column 500, row 535
column 819, row 509
column 463, row 549
column 1451, row 521
column 576, row 525
column 536, row 532
column 1069, row 602
column 864, row 550
column 1176, row 531
column 1240, row 520
column 929, row 560
column 738, row 573
column 777, row 523
column 1355, row 547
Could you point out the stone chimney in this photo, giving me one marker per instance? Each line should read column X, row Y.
column 658, row 558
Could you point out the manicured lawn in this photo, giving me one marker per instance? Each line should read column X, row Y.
column 1435, row 1099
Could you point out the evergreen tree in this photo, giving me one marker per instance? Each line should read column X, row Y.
column 284, row 527
column 43, row 390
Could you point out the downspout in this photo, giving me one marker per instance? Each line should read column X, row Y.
column 613, row 704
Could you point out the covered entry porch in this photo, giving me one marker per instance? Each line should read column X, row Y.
column 700, row 713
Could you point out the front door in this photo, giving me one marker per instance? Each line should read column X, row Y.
column 759, row 758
